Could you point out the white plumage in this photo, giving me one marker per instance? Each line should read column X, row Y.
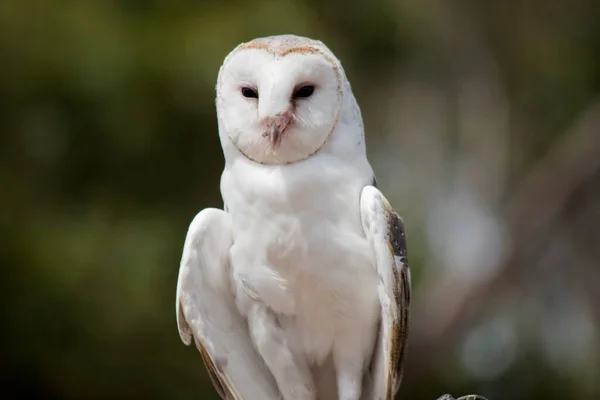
column 300, row 287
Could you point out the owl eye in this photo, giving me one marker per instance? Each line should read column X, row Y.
column 304, row 91
column 249, row 92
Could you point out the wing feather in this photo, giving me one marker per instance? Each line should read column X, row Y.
column 386, row 233
column 206, row 312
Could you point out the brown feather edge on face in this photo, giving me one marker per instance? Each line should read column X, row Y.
column 397, row 246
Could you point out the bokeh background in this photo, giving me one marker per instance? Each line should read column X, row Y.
column 483, row 127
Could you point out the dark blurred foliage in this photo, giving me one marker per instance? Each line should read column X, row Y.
column 109, row 147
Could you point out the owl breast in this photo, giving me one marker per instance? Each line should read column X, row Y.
column 299, row 248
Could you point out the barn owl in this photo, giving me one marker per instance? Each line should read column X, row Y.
column 299, row 288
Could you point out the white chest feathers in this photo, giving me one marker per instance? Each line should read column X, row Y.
column 300, row 250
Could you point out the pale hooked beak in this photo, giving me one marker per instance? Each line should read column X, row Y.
column 275, row 127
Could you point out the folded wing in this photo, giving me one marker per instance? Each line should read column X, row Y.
column 207, row 313
column 385, row 231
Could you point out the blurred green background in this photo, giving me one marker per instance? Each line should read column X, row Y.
column 483, row 127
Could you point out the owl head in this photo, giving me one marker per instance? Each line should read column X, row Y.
column 283, row 99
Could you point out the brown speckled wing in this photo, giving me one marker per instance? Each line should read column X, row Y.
column 386, row 233
column 397, row 243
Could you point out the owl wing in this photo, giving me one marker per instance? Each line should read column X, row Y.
column 385, row 231
column 206, row 312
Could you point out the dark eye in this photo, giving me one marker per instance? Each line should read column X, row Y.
column 249, row 92
column 304, row 91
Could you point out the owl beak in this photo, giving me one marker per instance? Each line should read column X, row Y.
column 275, row 137
column 276, row 126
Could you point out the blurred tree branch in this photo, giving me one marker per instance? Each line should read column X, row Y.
column 541, row 197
